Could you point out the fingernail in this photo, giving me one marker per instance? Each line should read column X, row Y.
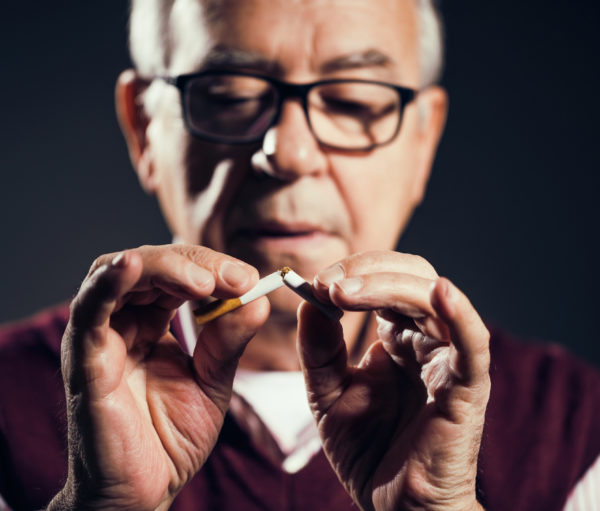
column 351, row 286
column 120, row 260
column 332, row 274
column 234, row 274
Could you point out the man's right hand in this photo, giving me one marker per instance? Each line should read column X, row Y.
column 143, row 415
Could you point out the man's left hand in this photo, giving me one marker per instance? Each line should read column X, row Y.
column 403, row 428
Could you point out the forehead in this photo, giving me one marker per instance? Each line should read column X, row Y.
column 299, row 38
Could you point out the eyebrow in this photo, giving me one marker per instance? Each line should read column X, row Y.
column 225, row 57
column 368, row 58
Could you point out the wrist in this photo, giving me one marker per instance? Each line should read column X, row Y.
column 71, row 498
column 461, row 505
column 64, row 500
column 474, row 506
column 68, row 500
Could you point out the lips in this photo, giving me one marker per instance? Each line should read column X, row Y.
column 279, row 237
column 275, row 229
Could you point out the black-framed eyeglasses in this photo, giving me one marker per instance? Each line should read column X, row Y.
column 237, row 107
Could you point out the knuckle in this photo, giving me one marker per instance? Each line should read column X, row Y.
column 366, row 255
column 192, row 252
column 200, row 256
column 425, row 266
column 163, row 258
column 356, row 263
column 98, row 263
column 145, row 252
column 146, row 248
column 188, row 251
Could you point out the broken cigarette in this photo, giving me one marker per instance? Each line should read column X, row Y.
column 284, row 276
column 297, row 284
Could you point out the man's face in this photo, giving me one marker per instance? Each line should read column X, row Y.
column 288, row 201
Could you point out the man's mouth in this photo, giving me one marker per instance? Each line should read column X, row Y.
column 275, row 233
column 281, row 235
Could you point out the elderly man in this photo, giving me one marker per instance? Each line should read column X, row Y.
column 277, row 133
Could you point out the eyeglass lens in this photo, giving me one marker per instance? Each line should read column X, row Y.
column 241, row 108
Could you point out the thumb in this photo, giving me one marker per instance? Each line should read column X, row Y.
column 323, row 356
column 220, row 345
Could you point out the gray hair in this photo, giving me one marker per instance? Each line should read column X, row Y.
column 151, row 39
column 431, row 41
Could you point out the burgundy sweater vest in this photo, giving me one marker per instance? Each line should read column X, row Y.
column 542, row 433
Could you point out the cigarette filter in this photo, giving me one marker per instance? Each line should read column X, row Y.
column 217, row 308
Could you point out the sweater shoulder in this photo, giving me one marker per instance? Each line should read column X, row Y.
column 541, row 423
column 42, row 331
column 528, row 376
column 32, row 409
column 30, row 354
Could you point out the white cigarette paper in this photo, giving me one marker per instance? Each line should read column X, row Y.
column 297, row 284
column 263, row 286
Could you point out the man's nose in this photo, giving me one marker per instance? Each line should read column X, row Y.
column 289, row 149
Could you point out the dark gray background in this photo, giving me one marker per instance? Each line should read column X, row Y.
column 510, row 215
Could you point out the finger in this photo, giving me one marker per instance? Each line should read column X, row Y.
column 432, row 326
column 402, row 293
column 155, row 297
column 141, row 327
column 232, row 276
column 469, row 335
column 99, row 292
column 378, row 364
column 407, row 346
column 168, row 272
column 142, row 297
column 323, row 357
column 372, row 262
column 191, row 272
column 90, row 358
column 395, row 297
column 220, row 345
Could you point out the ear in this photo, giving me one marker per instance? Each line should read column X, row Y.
column 432, row 103
column 134, row 122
